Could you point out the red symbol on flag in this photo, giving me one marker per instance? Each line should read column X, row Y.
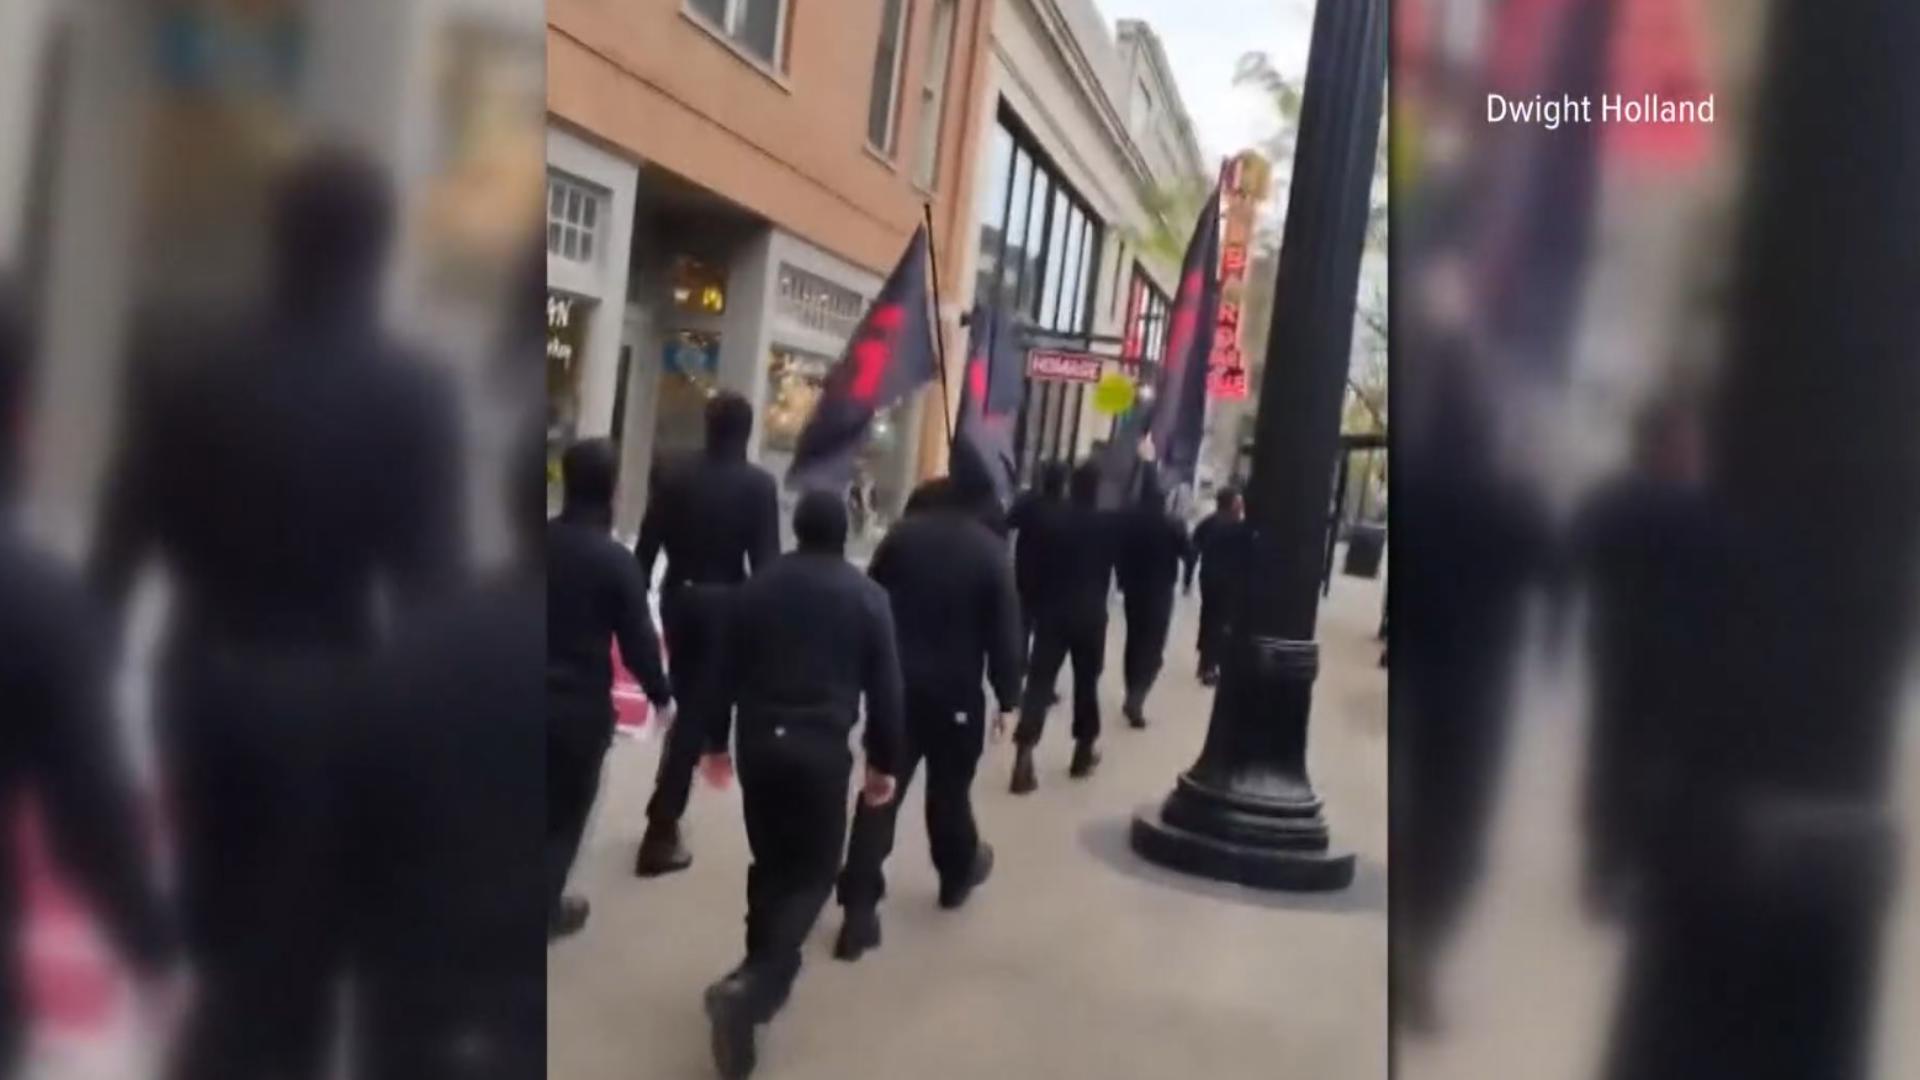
column 872, row 352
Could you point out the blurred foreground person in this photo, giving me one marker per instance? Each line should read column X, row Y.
column 808, row 638
column 1048, row 496
column 450, row 971
column 1153, row 546
column 1646, row 550
column 1222, row 552
column 717, row 518
column 56, row 742
column 594, row 593
column 956, row 615
column 1073, row 549
column 296, row 481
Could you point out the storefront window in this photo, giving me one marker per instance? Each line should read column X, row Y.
column 1039, row 254
column 699, row 288
column 566, row 323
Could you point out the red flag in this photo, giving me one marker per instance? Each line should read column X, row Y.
column 990, row 396
column 1180, row 406
column 890, row 356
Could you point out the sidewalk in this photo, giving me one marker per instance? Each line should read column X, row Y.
column 1077, row 960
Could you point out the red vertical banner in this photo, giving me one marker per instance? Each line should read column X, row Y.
column 1243, row 184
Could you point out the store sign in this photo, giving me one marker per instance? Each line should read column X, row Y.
column 1053, row 365
column 1243, row 184
column 562, row 340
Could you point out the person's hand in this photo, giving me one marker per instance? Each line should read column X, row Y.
column 879, row 788
column 1002, row 722
column 717, row 769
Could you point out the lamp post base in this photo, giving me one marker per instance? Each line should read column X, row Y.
column 1291, row 868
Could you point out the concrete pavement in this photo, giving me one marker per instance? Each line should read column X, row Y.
column 1076, row 960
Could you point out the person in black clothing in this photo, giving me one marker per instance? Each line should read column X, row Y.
column 449, row 884
column 1051, row 491
column 1153, row 546
column 56, row 741
column 1073, row 549
column 594, row 592
column 717, row 518
column 1222, row 552
column 808, row 638
column 298, row 481
column 955, row 611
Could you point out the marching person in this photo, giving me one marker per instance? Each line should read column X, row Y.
column 717, row 518
column 594, row 593
column 1153, row 546
column 808, row 638
column 1049, row 496
column 1222, row 552
column 955, row 613
column 1073, row 550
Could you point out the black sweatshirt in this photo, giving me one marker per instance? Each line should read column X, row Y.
column 1073, row 549
column 716, row 516
column 954, row 607
column 807, row 637
column 1153, row 545
column 1223, row 551
column 595, row 593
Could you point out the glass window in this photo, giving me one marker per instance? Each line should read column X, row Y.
column 1036, row 249
column 753, row 25
column 926, row 157
column 886, row 77
column 1055, row 265
column 1090, row 267
column 573, row 217
column 1014, row 253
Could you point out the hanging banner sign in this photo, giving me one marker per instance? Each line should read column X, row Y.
column 1054, row 365
column 1243, row 185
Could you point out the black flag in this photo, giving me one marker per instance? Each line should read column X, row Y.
column 890, row 356
column 989, row 401
column 1180, row 408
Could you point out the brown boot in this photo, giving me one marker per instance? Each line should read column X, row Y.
column 661, row 851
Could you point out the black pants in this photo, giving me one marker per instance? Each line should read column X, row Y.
column 695, row 622
column 575, row 754
column 1148, row 618
column 950, row 739
column 793, row 782
column 253, row 754
column 1084, row 639
column 1217, row 610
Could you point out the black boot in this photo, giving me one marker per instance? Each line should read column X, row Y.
column 1134, row 708
column 1085, row 760
column 1024, row 780
column 568, row 918
column 954, row 894
column 859, row 931
column 729, row 1011
column 661, row 851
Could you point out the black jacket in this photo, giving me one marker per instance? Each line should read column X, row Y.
column 595, row 594
column 807, row 638
column 1223, row 552
column 1020, row 521
column 954, row 607
column 1153, row 546
column 716, row 516
column 56, row 743
column 1073, row 549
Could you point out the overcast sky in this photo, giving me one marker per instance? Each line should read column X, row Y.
column 1204, row 39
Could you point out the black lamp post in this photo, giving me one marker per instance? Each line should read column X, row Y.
column 1246, row 811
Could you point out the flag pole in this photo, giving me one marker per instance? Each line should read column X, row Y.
column 939, row 336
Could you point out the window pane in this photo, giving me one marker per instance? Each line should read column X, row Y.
column 992, row 211
column 1068, row 318
column 556, row 198
column 933, row 96
column 880, row 104
column 1089, row 278
column 1036, row 250
column 553, row 237
column 590, row 211
column 1015, row 254
column 714, row 10
column 1056, row 265
column 586, row 247
column 760, row 27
